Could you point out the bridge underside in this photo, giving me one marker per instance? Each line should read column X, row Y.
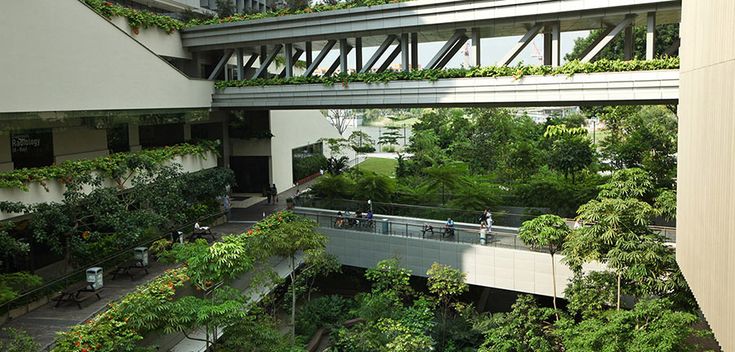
column 640, row 87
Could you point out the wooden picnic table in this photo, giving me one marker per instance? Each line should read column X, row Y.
column 129, row 267
column 78, row 293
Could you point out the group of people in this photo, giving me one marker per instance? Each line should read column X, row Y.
column 346, row 219
column 486, row 225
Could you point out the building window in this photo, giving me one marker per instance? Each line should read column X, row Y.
column 154, row 136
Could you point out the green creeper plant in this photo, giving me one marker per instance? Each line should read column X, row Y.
column 547, row 232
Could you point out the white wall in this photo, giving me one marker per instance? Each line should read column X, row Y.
column 61, row 56
column 53, row 191
column 292, row 129
column 74, row 143
column 6, row 162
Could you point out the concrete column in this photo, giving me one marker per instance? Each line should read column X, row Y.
column 628, row 43
column 415, row 51
column 187, row 131
column 358, row 54
column 405, row 62
column 226, row 145
column 475, row 59
column 308, row 49
column 289, row 59
column 343, row 56
column 263, row 53
column 134, row 136
column 552, row 45
column 651, row 36
column 240, row 69
column 6, row 157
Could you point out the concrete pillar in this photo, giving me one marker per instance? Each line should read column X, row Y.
column 343, row 56
column 226, row 145
column 263, row 53
column 405, row 62
column 6, row 157
column 475, row 59
column 134, row 137
column 289, row 59
column 651, row 36
column 415, row 51
column 552, row 45
column 187, row 131
column 308, row 49
column 358, row 54
column 628, row 43
column 240, row 63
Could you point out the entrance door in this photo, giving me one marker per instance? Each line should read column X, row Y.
column 251, row 173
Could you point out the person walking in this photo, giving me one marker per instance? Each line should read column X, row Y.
column 274, row 193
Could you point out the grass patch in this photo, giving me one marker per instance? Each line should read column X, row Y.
column 380, row 166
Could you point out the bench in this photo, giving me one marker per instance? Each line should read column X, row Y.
column 78, row 293
column 128, row 267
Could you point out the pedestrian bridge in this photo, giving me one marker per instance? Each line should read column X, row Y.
column 503, row 262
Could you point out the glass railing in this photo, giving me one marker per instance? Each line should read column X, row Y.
column 415, row 228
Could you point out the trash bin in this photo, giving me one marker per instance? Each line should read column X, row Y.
column 385, row 226
column 141, row 255
column 94, row 277
column 483, row 237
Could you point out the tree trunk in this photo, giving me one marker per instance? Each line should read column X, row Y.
column 293, row 299
column 553, row 283
column 619, row 277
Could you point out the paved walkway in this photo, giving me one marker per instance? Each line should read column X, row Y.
column 43, row 323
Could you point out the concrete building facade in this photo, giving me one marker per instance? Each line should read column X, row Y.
column 706, row 198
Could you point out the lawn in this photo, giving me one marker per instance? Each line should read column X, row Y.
column 381, row 166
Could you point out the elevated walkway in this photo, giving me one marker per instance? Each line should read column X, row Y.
column 637, row 87
column 504, row 262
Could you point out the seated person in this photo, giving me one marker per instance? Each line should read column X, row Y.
column 427, row 228
column 340, row 220
column 370, row 215
column 449, row 227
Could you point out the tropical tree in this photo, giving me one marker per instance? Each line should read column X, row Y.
column 548, row 232
column 652, row 325
column 590, row 295
column 286, row 241
column 361, row 142
column 446, row 283
column 379, row 188
column 525, row 328
column 448, row 177
column 388, row 275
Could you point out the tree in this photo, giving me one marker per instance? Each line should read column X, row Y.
column 379, row 188
column 571, row 149
column 652, row 325
column 390, row 136
column 286, row 241
column 590, row 295
column 448, row 177
column 666, row 35
column 524, row 328
column 666, row 204
column 548, row 232
column 361, row 142
column 340, row 119
column 388, row 275
column 447, row 284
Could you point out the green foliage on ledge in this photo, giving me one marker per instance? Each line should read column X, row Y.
column 288, row 11
column 115, row 166
column 517, row 72
column 136, row 18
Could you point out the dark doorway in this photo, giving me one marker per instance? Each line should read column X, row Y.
column 32, row 148
column 251, row 173
column 117, row 138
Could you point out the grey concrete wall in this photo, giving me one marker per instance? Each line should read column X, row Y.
column 705, row 241
column 509, row 269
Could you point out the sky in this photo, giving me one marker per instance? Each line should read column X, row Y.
column 492, row 49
